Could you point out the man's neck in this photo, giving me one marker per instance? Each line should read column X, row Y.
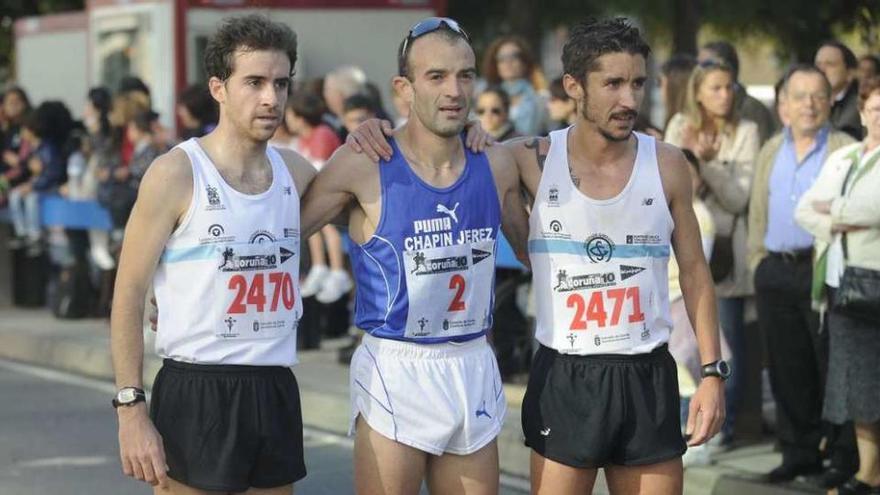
column 804, row 140
column 588, row 141
column 230, row 149
column 428, row 149
column 839, row 93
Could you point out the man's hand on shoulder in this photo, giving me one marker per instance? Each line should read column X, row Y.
column 371, row 139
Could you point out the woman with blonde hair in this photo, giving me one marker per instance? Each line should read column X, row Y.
column 842, row 212
column 726, row 147
column 509, row 63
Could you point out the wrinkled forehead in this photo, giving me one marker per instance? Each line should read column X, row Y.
column 440, row 51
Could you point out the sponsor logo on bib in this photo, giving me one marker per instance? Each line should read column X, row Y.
column 564, row 283
column 627, row 271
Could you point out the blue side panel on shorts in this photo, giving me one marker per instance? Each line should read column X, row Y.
column 416, row 212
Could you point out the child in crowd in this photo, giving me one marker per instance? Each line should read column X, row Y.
column 682, row 342
column 316, row 142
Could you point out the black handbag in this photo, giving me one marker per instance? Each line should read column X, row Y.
column 859, row 293
column 721, row 260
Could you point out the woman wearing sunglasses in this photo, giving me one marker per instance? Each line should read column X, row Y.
column 493, row 110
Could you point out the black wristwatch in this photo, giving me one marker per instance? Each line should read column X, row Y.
column 128, row 396
column 718, row 368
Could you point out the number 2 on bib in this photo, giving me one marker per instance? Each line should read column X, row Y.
column 594, row 309
column 457, row 283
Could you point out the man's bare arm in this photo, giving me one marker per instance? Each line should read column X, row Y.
column 301, row 170
column 333, row 189
column 164, row 195
column 697, row 289
column 514, row 219
column 529, row 153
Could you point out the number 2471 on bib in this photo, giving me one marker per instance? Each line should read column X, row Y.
column 595, row 311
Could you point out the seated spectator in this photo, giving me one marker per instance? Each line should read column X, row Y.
column 493, row 110
column 317, row 142
column 197, row 111
column 13, row 151
column 45, row 130
column 357, row 109
column 561, row 108
column 120, row 185
column 509, row 63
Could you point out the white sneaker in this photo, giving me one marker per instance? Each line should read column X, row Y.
column 314, row 281
column 336, row 284
column 696, row 456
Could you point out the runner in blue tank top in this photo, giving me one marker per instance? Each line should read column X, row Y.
column 616, row 411
column 427, row 401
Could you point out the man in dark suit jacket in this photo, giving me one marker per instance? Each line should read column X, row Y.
column 839, row 64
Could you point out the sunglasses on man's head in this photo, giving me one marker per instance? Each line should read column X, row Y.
column 429, row 25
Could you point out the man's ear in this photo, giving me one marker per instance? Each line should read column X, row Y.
column 217, row 89
column 403, row 87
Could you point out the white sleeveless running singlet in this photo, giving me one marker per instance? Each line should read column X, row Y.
column 227, row 284
column 600, row 266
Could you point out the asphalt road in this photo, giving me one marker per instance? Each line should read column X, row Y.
column 58, row 435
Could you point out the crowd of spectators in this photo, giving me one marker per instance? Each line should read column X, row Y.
column 785, row 197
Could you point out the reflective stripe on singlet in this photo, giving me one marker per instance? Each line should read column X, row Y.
column 600, row 266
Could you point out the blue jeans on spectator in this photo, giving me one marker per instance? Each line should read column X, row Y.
column 25, row 212
column 731, row 316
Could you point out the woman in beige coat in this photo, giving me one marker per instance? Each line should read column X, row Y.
column 727, row 147
column 828, row 210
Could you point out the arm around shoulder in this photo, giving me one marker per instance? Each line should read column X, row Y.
column 333, row 188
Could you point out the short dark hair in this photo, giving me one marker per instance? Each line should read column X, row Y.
column 874, row 59
column 143, row 121
column 308, row 106
column 805, row 68
column 444, row 30
column 250, row 32
column 593, row 38
column 133, row 83
column 849, row 58
column 50, row 121
column 727, row 53
column 359, row 101
column 866, row 89
column 502, row 95
column 200, row 104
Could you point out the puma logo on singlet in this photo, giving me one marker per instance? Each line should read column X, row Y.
column 443, row 209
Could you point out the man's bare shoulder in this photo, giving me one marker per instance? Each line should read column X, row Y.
column 674, row 171
column 171, row 169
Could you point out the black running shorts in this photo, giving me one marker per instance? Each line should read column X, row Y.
column 228, row 427
column 607, row 409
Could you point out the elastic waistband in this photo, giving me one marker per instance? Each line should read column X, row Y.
column 226, row 369
column 656, row 353
column 402, row 348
